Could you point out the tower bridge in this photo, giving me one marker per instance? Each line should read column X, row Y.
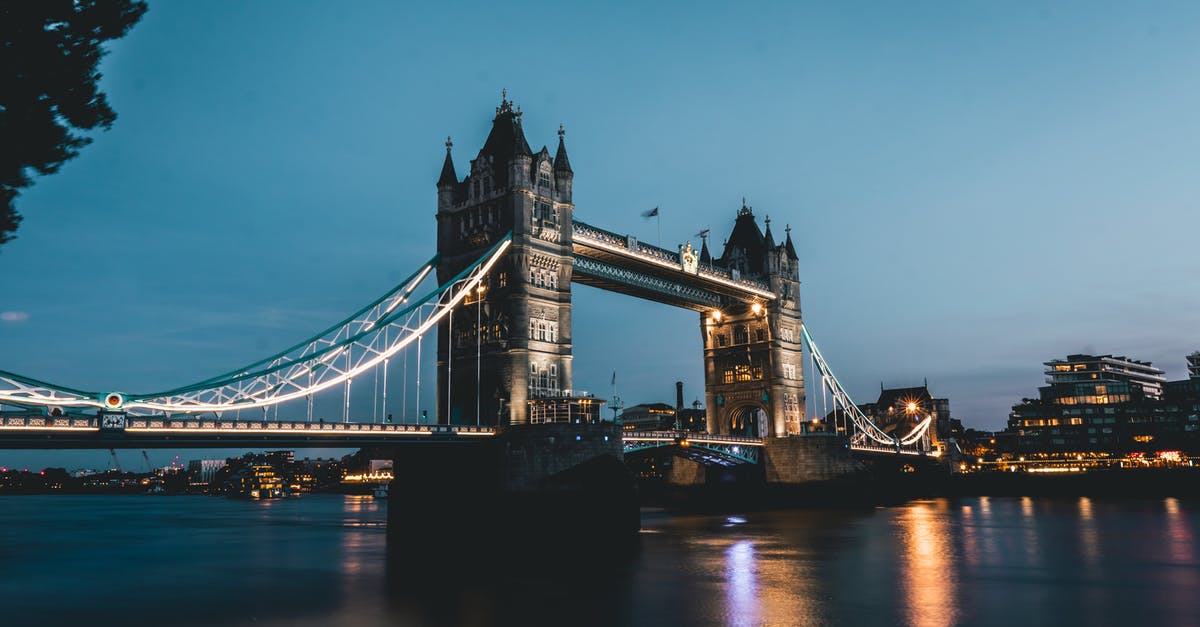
column 509, row 248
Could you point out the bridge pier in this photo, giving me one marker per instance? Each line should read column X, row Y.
column 528, row 485
column 685, row 472
column 808, row 459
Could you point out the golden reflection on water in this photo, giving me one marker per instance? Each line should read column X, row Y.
column 1029, row 533
column 927, row 569
column 1180, row 542
column 357, row 542
column 1089, row 536
column 970, row 537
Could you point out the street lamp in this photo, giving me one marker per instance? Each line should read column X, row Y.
column 478, row 344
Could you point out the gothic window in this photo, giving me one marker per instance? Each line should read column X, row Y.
column 553, row 384
column 789, row 371
column 741, row 372
column 722, row 340
column 544, row 176
column 541, row 331
column 502, row 279
column 532, row 329
column 740, row 336
column 760, row 335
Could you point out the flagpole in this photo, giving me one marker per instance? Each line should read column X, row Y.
column 658, row 218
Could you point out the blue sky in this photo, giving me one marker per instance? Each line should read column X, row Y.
column 974, row 188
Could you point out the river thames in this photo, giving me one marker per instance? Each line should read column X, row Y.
column 323, row 560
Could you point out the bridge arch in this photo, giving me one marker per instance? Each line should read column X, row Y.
column 747, row 420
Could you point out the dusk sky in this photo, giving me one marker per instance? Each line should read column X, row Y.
column 973, row 188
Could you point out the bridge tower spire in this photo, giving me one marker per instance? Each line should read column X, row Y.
column 522, row 330
column 754, row 376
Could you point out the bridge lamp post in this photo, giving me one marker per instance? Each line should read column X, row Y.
column 478, row 346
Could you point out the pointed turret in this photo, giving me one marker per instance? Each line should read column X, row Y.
column 506, row 141
column 768, row 237
column 448, row 176
column 561, row 163
column 744, row 250
column 791, row 250
column 705, row 257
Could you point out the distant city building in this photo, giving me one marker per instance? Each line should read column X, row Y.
column 1105, row 404
column 648, row 417
column 1193, row 362
column 202, row 471
column 663, row 417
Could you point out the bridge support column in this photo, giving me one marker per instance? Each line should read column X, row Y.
column 528, row 484
column 808, row 459
column 686, row 472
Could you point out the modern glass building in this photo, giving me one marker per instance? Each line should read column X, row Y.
column 1106, row 405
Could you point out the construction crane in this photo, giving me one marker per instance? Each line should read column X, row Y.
column 147, row 458
column 116, row 462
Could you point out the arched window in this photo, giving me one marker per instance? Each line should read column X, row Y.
column 739, row 334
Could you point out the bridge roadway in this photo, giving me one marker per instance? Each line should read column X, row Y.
column 36, row 431
column 45, row 432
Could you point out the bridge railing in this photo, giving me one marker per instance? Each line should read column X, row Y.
column 142, row 423
column 692, row 436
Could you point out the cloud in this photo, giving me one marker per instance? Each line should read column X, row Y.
column 14, row 317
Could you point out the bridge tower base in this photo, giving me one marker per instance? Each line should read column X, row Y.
column 527, row 485
column 808, row 459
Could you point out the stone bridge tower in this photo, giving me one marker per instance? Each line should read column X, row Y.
column 753, row 366
column 523, row 334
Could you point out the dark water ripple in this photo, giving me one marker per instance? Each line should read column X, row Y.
column 323, row 560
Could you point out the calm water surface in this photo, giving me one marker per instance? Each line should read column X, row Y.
column 322, row 560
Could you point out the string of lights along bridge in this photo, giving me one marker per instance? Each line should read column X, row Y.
column 509, row 246
column 362, row 347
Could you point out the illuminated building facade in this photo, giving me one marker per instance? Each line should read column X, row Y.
column 510, row 345
column 1105, row 404
column 753, row 366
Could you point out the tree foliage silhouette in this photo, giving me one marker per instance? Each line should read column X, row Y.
column 49, row 52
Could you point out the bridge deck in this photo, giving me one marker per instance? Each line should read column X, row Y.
column 46, row 432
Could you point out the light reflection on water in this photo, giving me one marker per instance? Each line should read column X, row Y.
column 741, row 589
column 321, row 560
column 927, row 573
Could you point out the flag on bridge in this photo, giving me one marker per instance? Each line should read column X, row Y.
column 650, row 214
column 703, row 233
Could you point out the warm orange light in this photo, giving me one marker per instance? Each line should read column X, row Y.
column 911, row 407
column 756, row 308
